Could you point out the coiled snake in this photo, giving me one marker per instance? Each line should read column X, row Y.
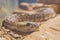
column 28, row 21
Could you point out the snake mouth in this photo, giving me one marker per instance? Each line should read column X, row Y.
column 31, row 25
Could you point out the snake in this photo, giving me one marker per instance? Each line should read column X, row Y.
column 28, row 21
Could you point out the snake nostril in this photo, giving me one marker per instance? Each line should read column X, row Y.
column 28, row 24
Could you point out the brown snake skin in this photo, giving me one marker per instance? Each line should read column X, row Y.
column 28, row 21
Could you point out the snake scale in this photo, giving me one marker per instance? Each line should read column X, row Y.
column 28, row 21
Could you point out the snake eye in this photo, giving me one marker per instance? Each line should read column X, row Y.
column 28, row 24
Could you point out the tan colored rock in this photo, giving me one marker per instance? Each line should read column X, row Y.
column 53, row 26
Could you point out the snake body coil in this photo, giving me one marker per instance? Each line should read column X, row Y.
column 28, row 21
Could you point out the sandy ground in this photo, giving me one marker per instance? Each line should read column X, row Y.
column 50, row 30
